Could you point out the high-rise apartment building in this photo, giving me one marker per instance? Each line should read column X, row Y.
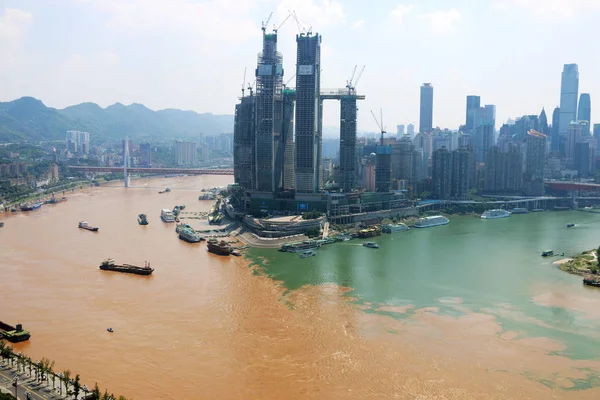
column 308, row 114
column 484, row 121
column 596, row 133
column 287, row 141
column 584, row 113
column 146, row 154
column 473, row 103
column 426, row 114
column 543, row 118
column 348, row 158
column 462, row 172
column 383, row 168
column 441, row 173
column 555, row 132
column 78, row 142
column 269, row 114
column 535, row 163
column 503, row 171
column 569, row 90
column 244, row 166
column 574, row 135
column 400, row 129
column 410, row 130
column 402, row 159
column 185, row 152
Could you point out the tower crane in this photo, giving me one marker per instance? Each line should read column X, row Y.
column 244, row 82
column 349, row 81
column 301, row 27
column 352, row 85
column 379, row 124
column 264, row 24
column 251, row 88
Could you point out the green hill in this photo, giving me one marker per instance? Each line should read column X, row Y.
column 29, row 119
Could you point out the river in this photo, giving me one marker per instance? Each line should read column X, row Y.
column 467, row 310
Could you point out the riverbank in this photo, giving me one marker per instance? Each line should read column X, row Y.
column 583, row 264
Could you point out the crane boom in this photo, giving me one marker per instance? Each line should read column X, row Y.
column 358, row 77
column 281, row 24
column 379, row 123
column 244, row 82
column 264, row 25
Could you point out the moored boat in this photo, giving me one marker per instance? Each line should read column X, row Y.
column 547, row 253
column 1, row 224
column 434, row 220
column 143, row 219
column 31, row 207
column 298, row 247
column 13, row 334
column 109, row 265
column 54, row 200
column 308, row 253
column 190, row 236
column 494, row 214
column 88, row 227
column 167, row 215
column 369, row 232
column 393, row 228
column 591, row 280
column 221, row 248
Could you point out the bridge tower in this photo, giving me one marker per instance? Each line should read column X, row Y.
column 126, row 160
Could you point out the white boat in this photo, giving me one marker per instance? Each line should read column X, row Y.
column 393, row 228
column 497, row 213
column 434, row 220
column 167, row 215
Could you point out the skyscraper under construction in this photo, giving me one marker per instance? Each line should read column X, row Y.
column 309, row 118
column 269, row 115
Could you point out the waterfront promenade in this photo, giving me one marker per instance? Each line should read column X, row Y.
column 28, row 383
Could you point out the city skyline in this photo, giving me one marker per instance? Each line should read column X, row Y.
column 175, row 74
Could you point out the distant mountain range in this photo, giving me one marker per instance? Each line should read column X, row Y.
column 28, row 118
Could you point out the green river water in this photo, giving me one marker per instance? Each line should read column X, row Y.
column 490, row 266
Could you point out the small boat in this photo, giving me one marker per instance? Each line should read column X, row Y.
column 537, row 210
column 142, row 219
column 167, row 190
column 13, row 209
column 591, row 280
column 1, row 224
column 547, row 253
column 371, row 245
column 236, row 253
column 54, row 200
column 308, row 253
column 110, row 330
column 182, row 207
column 570, row 225
column 88, row 227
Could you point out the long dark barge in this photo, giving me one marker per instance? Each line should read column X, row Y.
column 110, row 265
column 13, row 334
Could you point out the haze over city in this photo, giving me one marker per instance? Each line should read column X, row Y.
column 191, row 54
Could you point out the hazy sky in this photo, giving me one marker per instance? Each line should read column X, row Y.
column 191, row 54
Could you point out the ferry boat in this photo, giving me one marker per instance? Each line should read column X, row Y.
column 434, row 220
column 221, row 248
column 189, row 235
column 571, row 225
column 13, row 334
column 31, row 207
column 167, row 215
column 109, row 265
column 308, row 253
column 298, row 247
column 519, row 210
column 87, row 227
column 371, row 245
column 369, row 232
column 547, row 253
column 591, row 280
column 142, row 219
column 393, row 228
column 497, row 213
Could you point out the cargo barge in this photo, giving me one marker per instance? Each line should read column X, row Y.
column 13, row 334
column 109, row 265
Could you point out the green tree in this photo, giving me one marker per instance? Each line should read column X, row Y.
column 67, row 380
column 96, row 392
column 76, row 386
column 598, row 255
